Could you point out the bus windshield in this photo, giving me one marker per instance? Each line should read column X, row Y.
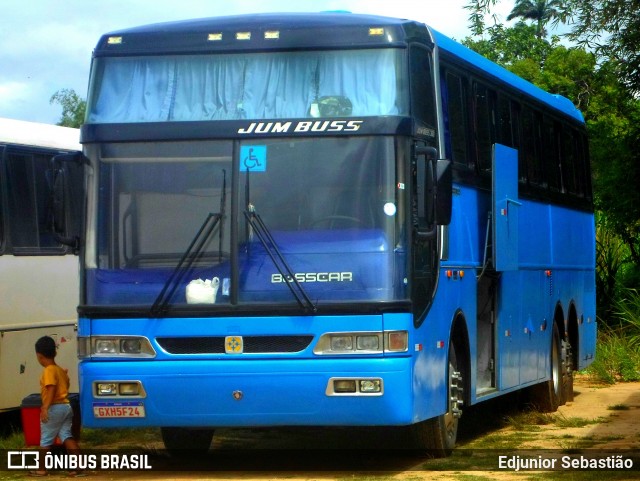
column 331, row 207
column 179, row 88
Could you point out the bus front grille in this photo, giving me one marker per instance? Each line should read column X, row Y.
column 252, row 344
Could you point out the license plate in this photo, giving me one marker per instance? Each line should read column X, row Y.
column 129, row 409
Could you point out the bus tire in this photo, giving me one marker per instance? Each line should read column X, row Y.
column 185, row 441
column 567, row 372
column 437, row 436
column 547, row 396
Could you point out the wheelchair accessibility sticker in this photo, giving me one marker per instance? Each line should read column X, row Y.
column 253, row 158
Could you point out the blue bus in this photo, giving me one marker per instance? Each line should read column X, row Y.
column 326, row 219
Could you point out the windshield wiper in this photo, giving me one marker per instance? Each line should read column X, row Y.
column 266, row 239
column 193, row 252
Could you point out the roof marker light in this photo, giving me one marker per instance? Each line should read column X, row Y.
column 271, row 34
column 114, row 40
column 243, row 35
column 376, row 31
column 214, row 37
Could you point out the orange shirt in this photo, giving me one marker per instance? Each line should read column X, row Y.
column 54, row 375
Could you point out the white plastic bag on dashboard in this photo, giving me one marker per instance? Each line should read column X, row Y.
column 202, row 291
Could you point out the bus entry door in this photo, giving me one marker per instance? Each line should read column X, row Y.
column 505, row 208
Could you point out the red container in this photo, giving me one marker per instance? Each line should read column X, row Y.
column 30, row 413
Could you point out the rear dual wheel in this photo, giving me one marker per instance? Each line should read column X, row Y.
column 547, row 396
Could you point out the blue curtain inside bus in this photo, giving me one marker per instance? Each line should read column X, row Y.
column 244, row 86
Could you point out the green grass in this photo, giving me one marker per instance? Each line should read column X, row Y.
column 529, row 420
column 618, row 347
column 568, row 475
column 12, row 441
column 129, row 438
column 562, row 421
column 618, row 407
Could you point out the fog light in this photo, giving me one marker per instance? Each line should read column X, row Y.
column 341, row 343
column 106, row 389
column 370, row 385
column 344, row 385
column 129, row 388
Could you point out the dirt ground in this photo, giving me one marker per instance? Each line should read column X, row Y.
column 601, row 419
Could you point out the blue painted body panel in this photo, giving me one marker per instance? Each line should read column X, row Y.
column 556, row 262
column 279, row 389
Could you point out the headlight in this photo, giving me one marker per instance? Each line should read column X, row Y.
column 341, row 343
column 106, row 346
column 115, row 346
column 368, row 343
column 362, row 342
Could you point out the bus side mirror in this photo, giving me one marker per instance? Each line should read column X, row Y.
column 67, row 194
column 434, row 191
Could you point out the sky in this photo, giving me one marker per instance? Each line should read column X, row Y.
column 46, row 45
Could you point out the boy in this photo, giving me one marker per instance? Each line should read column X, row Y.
column 56, row 414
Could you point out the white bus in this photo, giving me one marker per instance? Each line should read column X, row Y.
column 38, row 261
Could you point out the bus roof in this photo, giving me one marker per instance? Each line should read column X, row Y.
column 256, row 32
column 19, row 132
column 502, row 75
column 286, row 31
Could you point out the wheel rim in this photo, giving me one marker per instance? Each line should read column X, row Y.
column 555, row 366
column 452, row 416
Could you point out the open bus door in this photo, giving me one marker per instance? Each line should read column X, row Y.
column 502, row 233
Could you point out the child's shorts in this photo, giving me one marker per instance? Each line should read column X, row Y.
column 59, row 424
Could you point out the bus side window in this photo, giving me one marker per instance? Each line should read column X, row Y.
column 531, row 147
column 29, row 203
column 422, row 93
column 457, row 118
column 484, row 100
column 551, row 142
column 517, row 140
column 568, row 162
column 505, row 130
column 583, row 167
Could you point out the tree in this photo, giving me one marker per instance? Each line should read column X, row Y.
column 508, row 46
column 609, row 28
column 541, row 11
column 612, row 115
column 73, row 107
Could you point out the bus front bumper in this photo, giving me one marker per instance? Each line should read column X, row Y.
column 244, row 393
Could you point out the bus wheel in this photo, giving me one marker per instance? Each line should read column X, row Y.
column 437, row 436
column 185, row 441
column 567, row 372
column 547, row 396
